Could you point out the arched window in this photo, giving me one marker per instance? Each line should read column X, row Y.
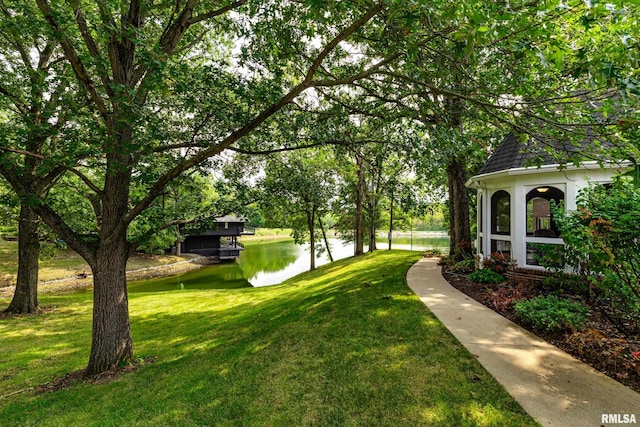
column 501, row 213
column 540, row 221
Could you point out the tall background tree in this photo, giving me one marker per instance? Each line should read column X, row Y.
column 302, row 185
column 38, row 98
column 470, row 65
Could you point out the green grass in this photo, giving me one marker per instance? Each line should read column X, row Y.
column 348, row 344
column 267, row 235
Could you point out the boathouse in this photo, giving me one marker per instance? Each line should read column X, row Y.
column 220, row 243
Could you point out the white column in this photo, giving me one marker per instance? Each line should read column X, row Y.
column 518, row 224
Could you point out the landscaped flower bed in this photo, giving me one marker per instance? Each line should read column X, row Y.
column 601, row 343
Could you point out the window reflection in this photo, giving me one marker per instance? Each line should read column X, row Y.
column 540, row 221
column 501, row 212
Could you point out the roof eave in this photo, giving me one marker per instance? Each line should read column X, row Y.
column 475, row 181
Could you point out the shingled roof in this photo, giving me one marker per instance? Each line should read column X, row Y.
column 513, row 153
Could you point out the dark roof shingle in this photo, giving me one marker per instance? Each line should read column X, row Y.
column 513, row 153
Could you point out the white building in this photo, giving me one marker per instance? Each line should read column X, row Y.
column 514, row 200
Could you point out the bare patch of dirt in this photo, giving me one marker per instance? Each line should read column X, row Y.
column 603, row 345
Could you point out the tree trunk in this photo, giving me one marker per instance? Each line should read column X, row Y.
column 452, row 214
column 372, row 224
column 459, row 227
column 25, row 298
column 312, row 239
column 391, row 222
column 326, row 242
column 359, row 232
column 178, row 245
column 111, row 342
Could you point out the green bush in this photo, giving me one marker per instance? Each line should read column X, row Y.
column 577, row 285
column 465, row 266
column 602, row 235
column 552, row 313
column 602, row 246
column 486, row 276
column 621, row 304
column 498, row 262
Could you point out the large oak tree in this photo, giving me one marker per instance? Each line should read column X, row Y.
column 163, row 82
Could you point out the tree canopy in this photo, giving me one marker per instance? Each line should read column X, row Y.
column 131, row 95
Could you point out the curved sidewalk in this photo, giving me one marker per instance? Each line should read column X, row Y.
column 553, row 387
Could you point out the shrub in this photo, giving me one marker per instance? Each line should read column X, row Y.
column 432, row 253
column 620, row 304
column 486, row 276
column 447, row 260
column 549, row 256
column 565, row 283
column 506, row 296
column 602, row 246
column 498, row 262
column 464, row 266
column 602, row 236
column 552, row 313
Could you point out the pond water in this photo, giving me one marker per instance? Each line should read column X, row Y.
column 270, row 263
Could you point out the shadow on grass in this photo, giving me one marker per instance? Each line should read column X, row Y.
column 348, row 343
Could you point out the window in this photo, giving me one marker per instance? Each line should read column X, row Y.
column 540, row 221
column 501, row 246
column 501, row 213
column 480, row 208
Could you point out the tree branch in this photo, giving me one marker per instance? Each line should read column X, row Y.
column 141, row 238
column 40, row 157
column 94, row 51
column 341, row 37
column 284, row 149
column 202, row 155
column 72, row 56
column 213, row 14
column 57, row 224
column 22, row 107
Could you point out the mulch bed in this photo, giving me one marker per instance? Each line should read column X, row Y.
column 603, row 345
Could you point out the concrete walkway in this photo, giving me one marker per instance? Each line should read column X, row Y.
column 553, row 387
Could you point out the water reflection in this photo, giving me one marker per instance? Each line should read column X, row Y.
column 298, row 260
column 221, row 276
column 267, row 257
column 263, row 264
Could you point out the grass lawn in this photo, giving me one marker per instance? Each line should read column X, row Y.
column 267, row 235
column 348, row 344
